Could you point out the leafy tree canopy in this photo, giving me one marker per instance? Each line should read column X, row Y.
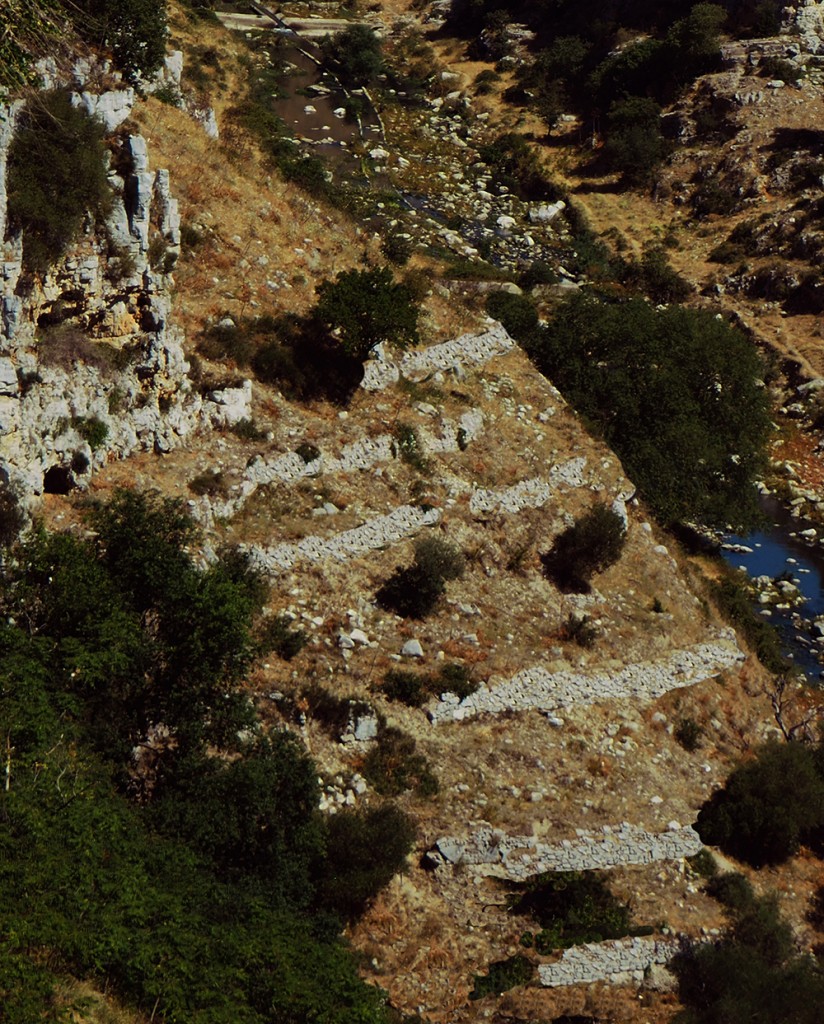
column 134, row 30
column 56, row 176
column 355, row 54
column 676, row 393
column 768, row 807
column 367, row 308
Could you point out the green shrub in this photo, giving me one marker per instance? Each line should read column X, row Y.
column 210, row 481
column 502, row 976
column 134, row 30
column 366, row 308
column 517, row 313
column 408, row 688
column 365, row 849
column 11, row 517
column 634, row 144
column 308, row 452
column 572, row 907
column 92, row 430
column 675, row 392
column 732, row 890
column 56, row 176
column 274, row 635
column 414, row 591
column 703, row 863
column 414, row 689
column 408, row 446
column 393, row 765
column 248, row 430
column 355, row 54
column 734, row 601
column 753, row 972
column 593, row 543
column 768, row 806
column 579, row 630
column 689, row 734
column 397, row 249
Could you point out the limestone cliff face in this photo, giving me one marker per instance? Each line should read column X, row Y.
column 93, row 341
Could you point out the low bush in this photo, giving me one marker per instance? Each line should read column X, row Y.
column 11, row 517
column 407, row 446
column 394, row 766
column 413, row 592
column 732, row 890
column 502, row 976
column 365, row 849
column 572, row 907
column 688, row 733
column 210, row 482
column 415, row 689
column 593, row 543
column 308, row 452
column 275, row 636
column 93, row 430
column 579, row 630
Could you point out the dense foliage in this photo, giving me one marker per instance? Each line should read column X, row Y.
column 414, row 590
column 769, row 806
column 201, row 887
column 676, row 393
column 56, row 176
column 355, row 54
column 133, row 30
column 752, row 974
column 572, row 907
column 366, row 308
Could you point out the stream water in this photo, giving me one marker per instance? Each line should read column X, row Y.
column 781, row 549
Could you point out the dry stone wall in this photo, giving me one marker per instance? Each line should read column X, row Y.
column 341, row 547
column 621, row 960
column 531, row 493
column 467, row 351
column 520, row 857
column 538, row 688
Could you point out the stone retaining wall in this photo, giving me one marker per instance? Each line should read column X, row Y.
column 375, row 533
column 528, row 493
column 520, row 857
column 550, row 691
column 617, row 961
column 468, row 350
column 362, row 455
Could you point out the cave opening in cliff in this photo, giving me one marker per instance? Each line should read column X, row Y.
column 57, row 480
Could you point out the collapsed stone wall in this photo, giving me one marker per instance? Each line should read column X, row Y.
column 106, row 307
column 518, row 858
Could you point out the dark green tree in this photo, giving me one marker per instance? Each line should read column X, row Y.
column 634, row 144
column 56, row 176
column 134, row 30
column 753, row 973
column 366, row 308
column 676, row 393
column 355, row 54
column 593, row 543
column 767, row 807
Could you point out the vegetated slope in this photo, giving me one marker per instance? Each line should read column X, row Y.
column 483, row 453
